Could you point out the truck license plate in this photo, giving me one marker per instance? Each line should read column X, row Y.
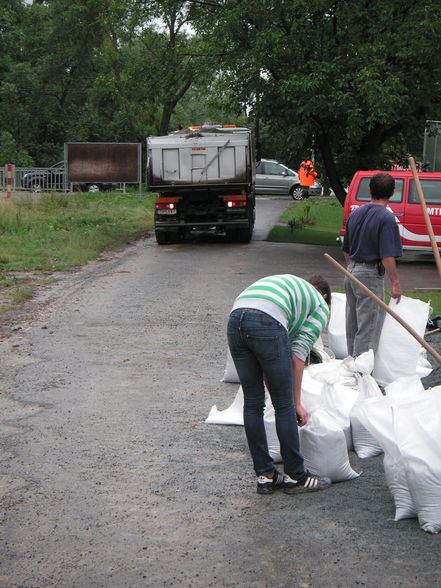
column 166, row 211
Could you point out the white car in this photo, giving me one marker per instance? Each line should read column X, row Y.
column 273, row 177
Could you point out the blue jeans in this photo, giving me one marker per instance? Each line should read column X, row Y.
column 260, row 345
column 364, row 317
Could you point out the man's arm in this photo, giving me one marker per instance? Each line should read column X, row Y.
column 391, row 269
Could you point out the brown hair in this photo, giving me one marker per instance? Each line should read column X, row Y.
column 322, row 286
column 382, row 186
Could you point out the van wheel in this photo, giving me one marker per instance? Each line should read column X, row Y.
column 296, row 192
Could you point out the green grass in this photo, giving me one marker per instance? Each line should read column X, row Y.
column 13, row 293
column 59, row 232
column 316, row 222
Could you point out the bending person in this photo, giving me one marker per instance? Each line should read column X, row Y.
column 271, row 330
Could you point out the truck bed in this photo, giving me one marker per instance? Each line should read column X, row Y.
column 199, row 160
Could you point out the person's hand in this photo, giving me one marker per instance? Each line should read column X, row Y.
column 302, row 416
column 396, row 292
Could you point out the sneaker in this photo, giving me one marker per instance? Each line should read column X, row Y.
column 268, row 485
column 308, row 483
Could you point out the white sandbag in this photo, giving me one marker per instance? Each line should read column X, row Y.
column 423, row 367
column 323, row 445
column 230, row 372
column 272, row 440
column 376, row 416
column 404, row 387
column 365, row 444
column 337, row 399
column 337, row 326
column 233, row 415
column 417, row 426
column 311, row 391
column 398, row 351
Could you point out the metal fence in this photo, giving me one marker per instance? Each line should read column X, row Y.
column 49, row 179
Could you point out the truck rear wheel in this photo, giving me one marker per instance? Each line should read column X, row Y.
column 161, row 237
column 239, row 235
column 164, row 237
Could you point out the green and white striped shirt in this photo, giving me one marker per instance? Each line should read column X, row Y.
column 295, row 303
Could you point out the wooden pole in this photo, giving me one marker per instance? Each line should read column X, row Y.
column 426, row 216
column 403, row 323
column 9, row 180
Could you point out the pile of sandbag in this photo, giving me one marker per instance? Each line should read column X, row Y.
column 348, row 411
column 329, row 392
column 406, row 423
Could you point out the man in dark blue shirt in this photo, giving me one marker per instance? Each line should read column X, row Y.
column 371, row 244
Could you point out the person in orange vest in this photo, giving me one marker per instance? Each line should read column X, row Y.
column 306, row 175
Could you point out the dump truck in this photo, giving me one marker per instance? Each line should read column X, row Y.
column 204, row 177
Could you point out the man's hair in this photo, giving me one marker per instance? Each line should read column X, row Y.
column 382, row 186
column 322, row 286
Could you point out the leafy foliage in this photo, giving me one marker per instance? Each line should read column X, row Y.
column 352, row 80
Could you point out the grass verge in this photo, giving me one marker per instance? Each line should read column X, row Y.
column 316, row 222
column 59, row 232
column 13, row 293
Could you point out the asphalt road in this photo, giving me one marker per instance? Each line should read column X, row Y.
column 110, row 477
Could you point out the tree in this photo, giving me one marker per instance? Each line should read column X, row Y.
column 351, row 79
column 47, row 83
column 155, row 58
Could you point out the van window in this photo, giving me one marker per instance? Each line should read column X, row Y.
column 431, row 190
column 363, row 193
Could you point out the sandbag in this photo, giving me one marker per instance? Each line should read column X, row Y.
column 376, row 416
column 336, row 398
column 324, row 448
column 365, row 444
column 233, row 415
column 398, row 351
column 417, row 426
column 269, row 419
column 230, row 372
column 337, row 326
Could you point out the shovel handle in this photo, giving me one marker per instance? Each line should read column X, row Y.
column 426, row 215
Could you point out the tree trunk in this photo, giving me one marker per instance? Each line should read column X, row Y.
column 169, row 106
column 331, row 171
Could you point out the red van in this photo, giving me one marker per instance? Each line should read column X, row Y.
column 404, row 204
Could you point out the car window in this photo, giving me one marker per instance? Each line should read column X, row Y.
column 274, row 169
column 363, row 194
column 259, row 167
column 431, row 190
